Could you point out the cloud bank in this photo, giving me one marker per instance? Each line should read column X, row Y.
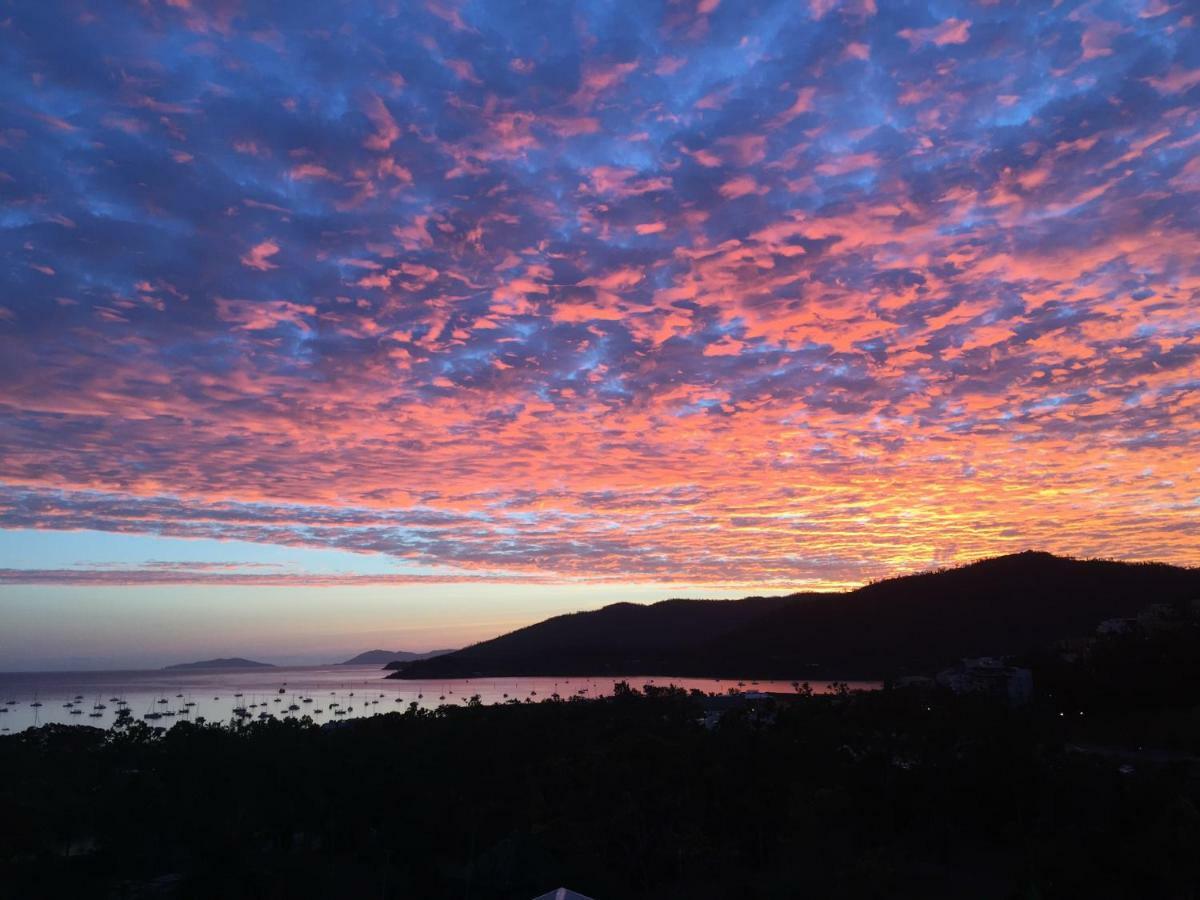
column 766, row 292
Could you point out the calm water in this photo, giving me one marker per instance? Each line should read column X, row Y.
column 325, row 693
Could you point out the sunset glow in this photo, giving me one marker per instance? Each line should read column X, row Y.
column 726, row 295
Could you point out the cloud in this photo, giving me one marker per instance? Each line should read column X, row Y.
column 259, row 256
column 261, row 315
column 948, row 31
column 386, row 129
column 640, row 292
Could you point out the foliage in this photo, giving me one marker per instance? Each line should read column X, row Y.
column 885, row 794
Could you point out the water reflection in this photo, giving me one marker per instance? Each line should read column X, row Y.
column 330, row 693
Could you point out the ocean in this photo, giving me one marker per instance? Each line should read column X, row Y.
column 326, row 693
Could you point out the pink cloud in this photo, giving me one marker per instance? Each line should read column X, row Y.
column 307, row 171
column 802, row 104
column 621, row 182
column 261, row 315
column 949, row 31
column 740, row 186
column 258, row 257
column 463, row 69
column 386, row 129
column 1178, row 79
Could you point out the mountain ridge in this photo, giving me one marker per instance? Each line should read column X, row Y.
column 907, row 624
column 380, row 657
column 232, row 662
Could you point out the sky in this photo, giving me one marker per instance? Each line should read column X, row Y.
column 324, row 326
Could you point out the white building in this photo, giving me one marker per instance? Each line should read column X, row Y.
column 991, row 676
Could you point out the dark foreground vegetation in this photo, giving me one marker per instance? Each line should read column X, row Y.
column 894, row 793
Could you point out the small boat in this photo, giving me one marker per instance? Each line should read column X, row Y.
column 292, row 707
column 163, row 700
column 152, row 715
column 77, row 712
column 95, row 715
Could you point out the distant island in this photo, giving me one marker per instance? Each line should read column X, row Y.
column 913, row 624
column 233, row 662
column 381, row 657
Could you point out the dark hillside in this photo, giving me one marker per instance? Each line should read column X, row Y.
column 913, row 623
column 608, row 640
column 1008, row 604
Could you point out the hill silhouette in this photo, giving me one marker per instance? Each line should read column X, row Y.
column 380, row 657
column 914, row 623
column 233, row 662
